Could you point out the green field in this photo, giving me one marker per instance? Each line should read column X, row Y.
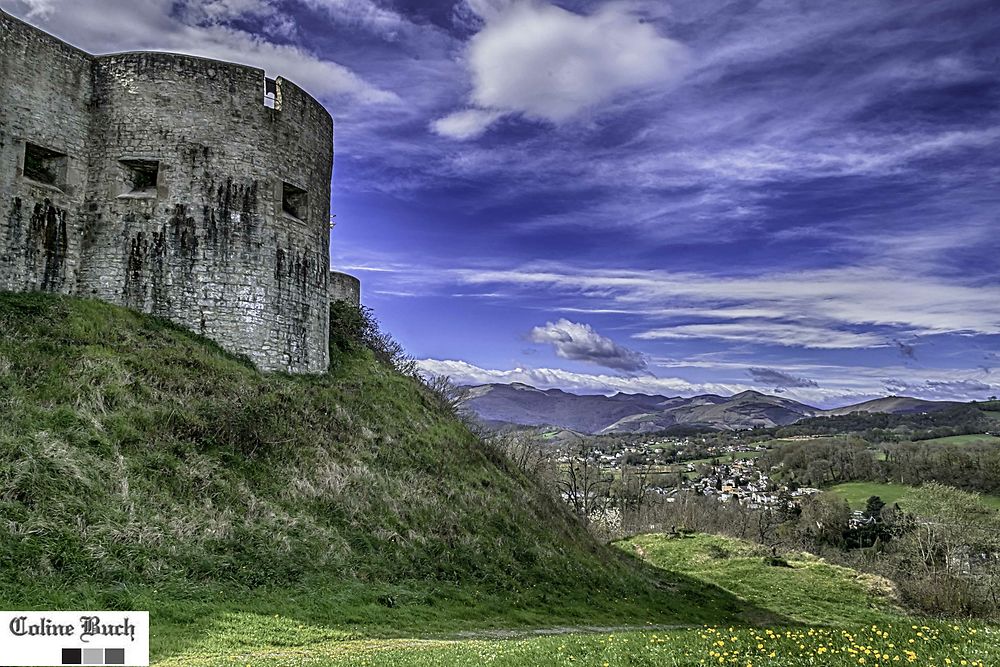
column 810, row 592
column 979, row 438
column 858, row 493
column 811, row 613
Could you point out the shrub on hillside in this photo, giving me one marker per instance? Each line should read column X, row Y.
column 354, row 328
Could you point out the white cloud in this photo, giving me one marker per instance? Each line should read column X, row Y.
column 462, row 372
column 220, row 10
column 762, row 161
column 363, row 13
column 106, row 26
column 580, row 342
column 465, row 124
column 488, row 9
column 39, row 8
column 548, row 63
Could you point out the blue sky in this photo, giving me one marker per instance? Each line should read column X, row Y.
column 670, row 197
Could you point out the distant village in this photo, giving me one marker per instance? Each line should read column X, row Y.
column 690, row 465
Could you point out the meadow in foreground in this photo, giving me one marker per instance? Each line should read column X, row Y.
column 833, row 616
column 941, row 644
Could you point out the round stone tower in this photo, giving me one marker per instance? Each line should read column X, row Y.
column 193, row 189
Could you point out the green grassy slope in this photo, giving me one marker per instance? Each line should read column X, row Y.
column 141, row 467
column 811, row 591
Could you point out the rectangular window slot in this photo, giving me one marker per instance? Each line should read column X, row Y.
column 294, row 201
column 141, row 177
column 44, row 166
column 270, row 93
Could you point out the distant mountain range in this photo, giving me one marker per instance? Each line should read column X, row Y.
column 521, row 404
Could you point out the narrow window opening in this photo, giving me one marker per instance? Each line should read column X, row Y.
column 45, row 166
column 270, row 93
column 141, row 177
column 294, row 201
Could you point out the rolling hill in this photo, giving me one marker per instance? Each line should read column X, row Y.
column 895, row 405
column 142, row 467
column 521, row 404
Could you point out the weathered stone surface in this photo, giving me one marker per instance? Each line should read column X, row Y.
column 344, row 287
column 167, row 178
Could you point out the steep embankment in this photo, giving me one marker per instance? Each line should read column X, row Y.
column 143, row 467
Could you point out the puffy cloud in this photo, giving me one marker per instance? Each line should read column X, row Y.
column 548, row 63
column 779, row 379
column 580, row 342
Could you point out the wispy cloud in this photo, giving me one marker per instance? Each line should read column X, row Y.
column 943, row 389
column 763, row 332
column 779, row 379
column 364, row 13
column 202, row 29
column 815, row 308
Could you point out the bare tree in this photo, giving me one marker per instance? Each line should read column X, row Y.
column 450, row 396
column 635, row 483
column 584, row 484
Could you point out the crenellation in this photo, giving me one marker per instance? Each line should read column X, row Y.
column 193, row 189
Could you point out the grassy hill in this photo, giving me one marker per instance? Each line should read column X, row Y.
column 142, row 467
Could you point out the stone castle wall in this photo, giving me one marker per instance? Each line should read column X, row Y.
column 177, row 192
column 345, row 287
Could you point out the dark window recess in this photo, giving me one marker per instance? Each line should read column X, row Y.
column 270, row 93
column 44, row 166
column 294, row 201
column 141, row 175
